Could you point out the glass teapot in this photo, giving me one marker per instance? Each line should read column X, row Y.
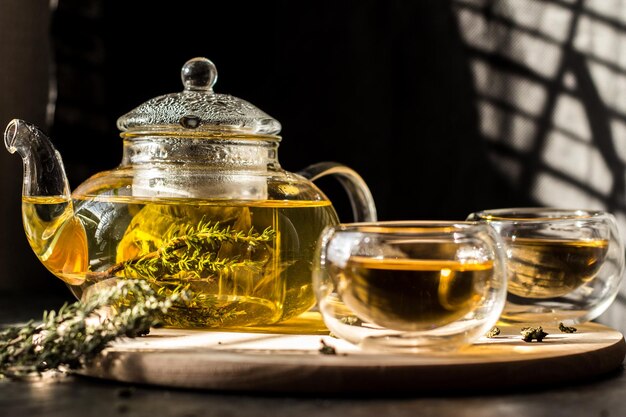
column 199, row 202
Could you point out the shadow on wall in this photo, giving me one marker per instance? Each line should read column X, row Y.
column 548, row 97
column 550, row 81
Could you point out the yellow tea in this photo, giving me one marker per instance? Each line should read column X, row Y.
column 546, row 268
column 245, row 262
column 411, row 294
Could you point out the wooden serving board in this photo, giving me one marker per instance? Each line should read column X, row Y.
column 282, row 362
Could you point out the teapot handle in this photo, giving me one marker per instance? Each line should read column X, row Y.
column 361, row 200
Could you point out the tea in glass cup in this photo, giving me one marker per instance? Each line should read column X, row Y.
column 563, row 265
column 410, row 286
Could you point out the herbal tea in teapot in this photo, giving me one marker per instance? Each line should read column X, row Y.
column 199, row 204
column 242, row 261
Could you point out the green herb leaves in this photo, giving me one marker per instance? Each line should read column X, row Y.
column 193, row 249
column 79, row 331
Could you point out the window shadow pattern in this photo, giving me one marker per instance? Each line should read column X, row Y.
column 550, row 83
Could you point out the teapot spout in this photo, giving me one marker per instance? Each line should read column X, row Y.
column 56, row 236
column 44, row 174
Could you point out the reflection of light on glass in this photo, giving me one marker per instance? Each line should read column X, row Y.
column 340, row 248
column 445, row 272
column 472, row 254
column 289, row 189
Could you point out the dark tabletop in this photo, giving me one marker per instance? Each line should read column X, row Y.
column 67, row 395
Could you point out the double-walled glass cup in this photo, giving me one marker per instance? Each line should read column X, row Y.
column 563, row 265
column 410, row 286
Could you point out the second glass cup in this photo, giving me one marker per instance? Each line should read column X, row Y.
column 410, row 286
column 563, row 265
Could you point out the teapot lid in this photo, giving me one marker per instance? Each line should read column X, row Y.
column 197, row 109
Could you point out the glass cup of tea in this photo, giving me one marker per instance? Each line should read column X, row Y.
column 563, row 265
column 410, row 286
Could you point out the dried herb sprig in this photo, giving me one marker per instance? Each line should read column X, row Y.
column 194, row 256
column 77, row 332
column 190, row 249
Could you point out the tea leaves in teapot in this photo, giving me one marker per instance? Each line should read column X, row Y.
column 207, row 258
column 194, row 251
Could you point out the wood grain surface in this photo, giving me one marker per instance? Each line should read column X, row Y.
column 283, row 362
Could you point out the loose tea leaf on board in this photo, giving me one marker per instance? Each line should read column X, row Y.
column 495, row 331
column 327, row 349
column 533, row 333
column 567, row 329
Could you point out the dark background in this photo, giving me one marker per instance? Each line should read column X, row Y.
column 381, row 86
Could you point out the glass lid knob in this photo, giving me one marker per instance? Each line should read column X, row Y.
column 199, row 74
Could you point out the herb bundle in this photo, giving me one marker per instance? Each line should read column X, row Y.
column 76, row 333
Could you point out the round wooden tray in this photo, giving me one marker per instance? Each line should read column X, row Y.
column 274, row 362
